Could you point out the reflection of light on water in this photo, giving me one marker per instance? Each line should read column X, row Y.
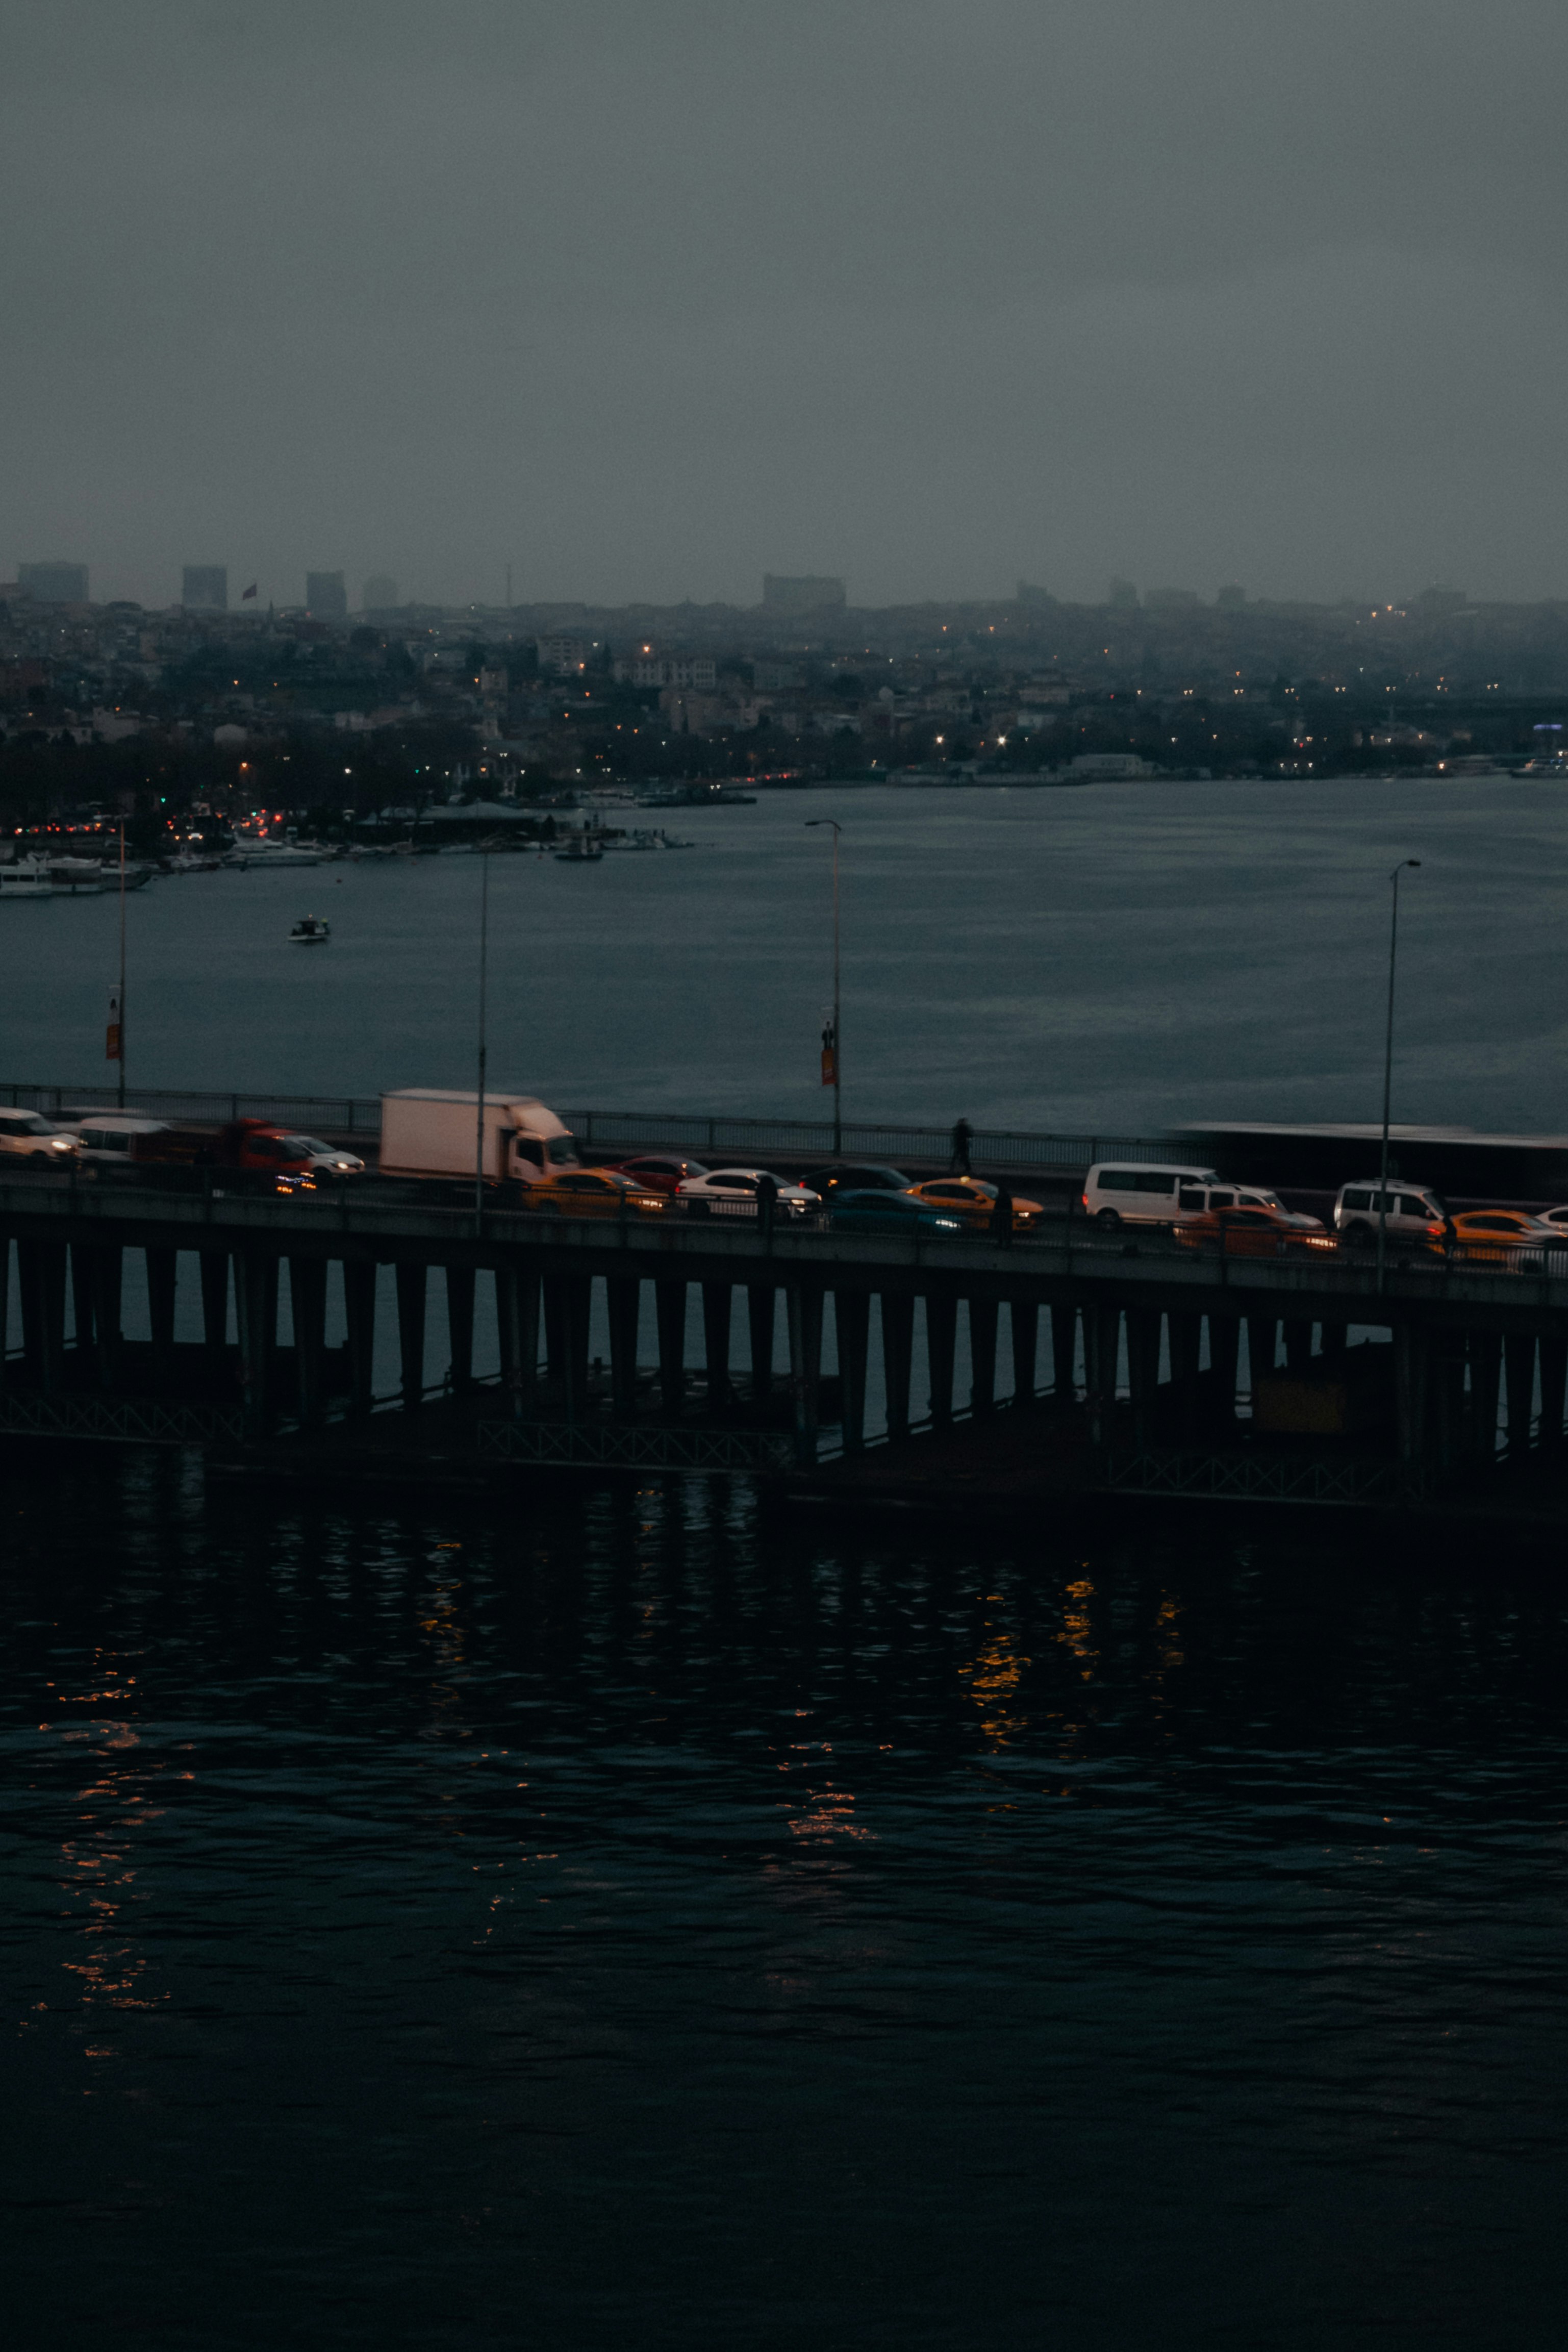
column 97, row 1872
column 832, row 1816
column 1076, row 1629
column 993, row 1675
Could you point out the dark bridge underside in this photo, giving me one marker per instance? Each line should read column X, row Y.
column 1143, row 1344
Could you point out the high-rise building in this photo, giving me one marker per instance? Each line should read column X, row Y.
column 205, row 588
column 380, row 593
column 811, row 593
column 326, row 598
column 53, row 584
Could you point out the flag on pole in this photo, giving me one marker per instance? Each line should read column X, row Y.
column 248, row 593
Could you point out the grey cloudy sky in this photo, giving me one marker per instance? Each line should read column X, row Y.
column 647, row 300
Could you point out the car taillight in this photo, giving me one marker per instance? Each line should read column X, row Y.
column 1084, row 1199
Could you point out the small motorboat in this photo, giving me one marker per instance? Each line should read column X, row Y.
column 309, row 931
column 583, row 849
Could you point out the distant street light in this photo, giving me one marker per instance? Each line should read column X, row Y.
column 1388, row 1074
column 831, row 1045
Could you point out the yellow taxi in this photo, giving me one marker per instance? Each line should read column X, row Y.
column 1498, row 1236
column 970, row 1198
column 592, row 1192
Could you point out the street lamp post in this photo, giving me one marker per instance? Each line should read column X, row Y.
column 484, row 978
column 1388, row 1074
column 838, row 1051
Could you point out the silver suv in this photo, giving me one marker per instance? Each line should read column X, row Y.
column 1408, row 1212
column 26, row 1133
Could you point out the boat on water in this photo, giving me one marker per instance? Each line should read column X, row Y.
column 583, row 849
column 268, row 857
column 29, row 878
column 648, row 838
column 309, row 931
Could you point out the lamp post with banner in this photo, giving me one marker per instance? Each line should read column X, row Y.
column 832, row 1057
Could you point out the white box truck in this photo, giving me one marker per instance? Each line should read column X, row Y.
column 433, row 1131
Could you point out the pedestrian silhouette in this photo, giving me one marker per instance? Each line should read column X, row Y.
column 962, row 1134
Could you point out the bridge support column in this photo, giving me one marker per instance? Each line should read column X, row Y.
column 1143, row 1370
column 624, row 1302
column 161, row 1275
column 1446, row 1398
column 983, row 1315
column 4, row 1293
column 1518, row 1361
column 1262, row 1345
column 942, row 1346
column 1101, row 1346
column 803, row 1306
column 359, row 1315
column 1411, row 1352
column 761, row 1305
column 460, row 1325
column 1224, row 1351
column 81, row 1299
column 308, row 1313
column 716, row 1300
column 572, row 1295
column 256, row 1312
column 214, row 1268
column 669, row 1314
column 517, row 1320
column 1332, row 1339
column 1064, row 1353
column 1553, row 1386
column 1485, row 1350
column 411, row 1294
column 898, row 1315
column 852, row 1330
column 1024, row 1320
column 1186, row 1334
column 41, row 1278
column 1298, row 1346
column 105, row 1262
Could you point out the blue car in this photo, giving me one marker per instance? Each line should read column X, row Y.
column 889, row 1212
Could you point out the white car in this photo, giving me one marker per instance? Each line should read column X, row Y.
column 325, row 1159
column 107, row 1135
column 30, row 1136
column 732, row 1192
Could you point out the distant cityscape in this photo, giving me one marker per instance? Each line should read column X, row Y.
column 222, row 701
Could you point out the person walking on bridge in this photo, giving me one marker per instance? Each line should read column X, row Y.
column 962, row 1134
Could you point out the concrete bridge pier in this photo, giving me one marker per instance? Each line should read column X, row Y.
column 41, row 1280
column 669, row 1314
column 574, row 1299
column 942, row 1348
column 1446, row 1402
column 410, row 1280
column 982, row 1318
column 308, row 1313
column 623, row 1307
column 716, row 1298
column 255, row 1314
column 1412, row 1352
column 1485, row 1375
column 1186, row 1344
column 762, row 1302
column 517, row 1323
column 104, row 1263
column 1024, row 1317
column 359, row 1316
column 1101, row 1347
column 1332, row 1341
column 1064, row 1353
column 163, row 1274
column 1262, row 1346
column 1298, row 1344
column 1224, row 1351
column 898, row 1314
column 1553, row 1386
column 803, row 1306
column 213, row 1267
column 1519, row 1366
column 81, row 1300
column 852, row 1332
column 461, row 1285
column 1143, row 1370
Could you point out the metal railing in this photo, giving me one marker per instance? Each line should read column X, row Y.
column 1261, row 1479
column 600, row 1130
column 622, row 1446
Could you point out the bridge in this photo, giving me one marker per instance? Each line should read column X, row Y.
column 152, row 1309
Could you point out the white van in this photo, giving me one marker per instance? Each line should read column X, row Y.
column 433, row 1131
column 1143, row 1192
column 1409, row 1211
column 109, row 1135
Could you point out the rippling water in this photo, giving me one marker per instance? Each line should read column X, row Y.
column 624, row 1919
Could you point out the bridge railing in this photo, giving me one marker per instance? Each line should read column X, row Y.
column 626, row 1130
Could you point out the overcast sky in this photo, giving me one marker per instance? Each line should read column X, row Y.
column 647, row 300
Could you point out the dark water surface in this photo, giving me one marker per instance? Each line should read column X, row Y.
column 627, row 1919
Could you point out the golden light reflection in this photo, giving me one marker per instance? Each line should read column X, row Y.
column 1076, row 1632
column 994, row 1677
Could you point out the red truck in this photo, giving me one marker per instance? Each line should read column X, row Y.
column 298, row 1162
